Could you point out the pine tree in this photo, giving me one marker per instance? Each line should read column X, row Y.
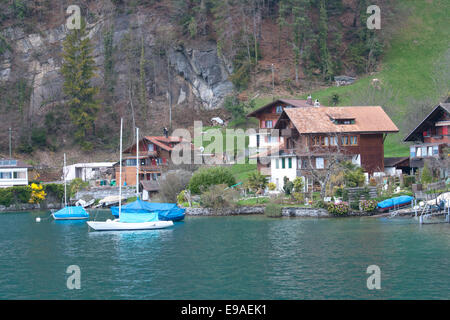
column 78, row 69
column 326, row 65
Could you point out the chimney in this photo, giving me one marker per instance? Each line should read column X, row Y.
column 316, row 103
column 309, row 100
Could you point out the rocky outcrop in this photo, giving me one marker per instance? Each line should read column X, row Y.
column 205, row 72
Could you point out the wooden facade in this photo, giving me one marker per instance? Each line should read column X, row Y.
column 154, row 159
column 431, row 137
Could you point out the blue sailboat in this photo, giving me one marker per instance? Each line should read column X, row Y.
column 165, row 211
column 69, row 212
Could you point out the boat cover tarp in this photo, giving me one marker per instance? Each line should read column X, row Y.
column 397, row 201
column 133, row 217
column 165, row 211
column 71, row 212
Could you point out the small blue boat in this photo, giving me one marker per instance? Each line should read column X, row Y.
column 71, row 213
column 166, row 211
column 394, row 203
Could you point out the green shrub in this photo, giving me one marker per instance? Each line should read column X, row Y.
column 56, row 189
column 408, row 181
column 206, row 177
column 273, row 210
column 6, row 197
column 219, row 196
column 339, row 209
column 299, row 197
column 368, row 205
column 354, row 205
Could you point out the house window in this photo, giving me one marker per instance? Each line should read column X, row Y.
column 130, row 162
column 269, row 124
column 5, row 175
column 344, row 140
column 277, row 163
column 412, row 152
column 354, row 140
column 290, row 163
column 333, row 141
column 151, row 147
column 305, row 163
column 283, row 164
column 319, row 163
column 424, row 151
column 435, row 150
column 419, row 152
column 430, row 151
column 279, row 109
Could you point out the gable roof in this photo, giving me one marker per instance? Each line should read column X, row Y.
column 367, row 119
column 395, row 161
column 417, row 132
column 161, row 141
column 292, row 102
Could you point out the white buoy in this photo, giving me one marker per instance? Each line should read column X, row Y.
column 38, row 219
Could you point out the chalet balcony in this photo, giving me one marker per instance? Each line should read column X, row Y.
column 425, row 151
column 152, row 168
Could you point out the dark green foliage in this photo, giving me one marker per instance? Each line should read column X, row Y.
column 12, row 195
column 273, row 210
column 288, row 186
column 54, row 189
column 205, row 177
column 409, row 180
column 78, row 70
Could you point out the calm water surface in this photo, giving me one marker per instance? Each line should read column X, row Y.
column 250, row 257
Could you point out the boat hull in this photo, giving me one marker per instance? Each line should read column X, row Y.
column 124, row 226
column 68, row 218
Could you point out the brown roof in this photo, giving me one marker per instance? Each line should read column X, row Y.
column 395, row 161
column 292, row 102
column 416, row 134
column 161, row 141
column 320, row 119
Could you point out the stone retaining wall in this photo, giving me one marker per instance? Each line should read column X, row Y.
column 30, row 206
column 224, row 211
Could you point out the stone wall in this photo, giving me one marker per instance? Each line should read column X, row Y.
column 305, row 212
column 224, row 211
column 29, row 206
column 102, row 192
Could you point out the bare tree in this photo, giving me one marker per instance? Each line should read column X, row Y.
column 327, row 148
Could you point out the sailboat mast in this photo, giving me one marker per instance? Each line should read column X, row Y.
column 137, row 162
column 65, row 188
column 120, row 168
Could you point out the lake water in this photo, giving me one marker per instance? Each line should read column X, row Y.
column 245, row 257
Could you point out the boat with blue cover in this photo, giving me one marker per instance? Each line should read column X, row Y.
column 71, row 213
column 165, row 211
column 132, row 216
column 395, row 202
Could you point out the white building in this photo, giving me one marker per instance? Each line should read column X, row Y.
column 13, row 173
column 87, row 171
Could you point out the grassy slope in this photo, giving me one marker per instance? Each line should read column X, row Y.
column 408, row 65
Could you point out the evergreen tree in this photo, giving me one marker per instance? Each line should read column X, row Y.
column 78, row 69
column 325, row 59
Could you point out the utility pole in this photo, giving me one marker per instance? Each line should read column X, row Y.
column 273, row 84
column 10, row 150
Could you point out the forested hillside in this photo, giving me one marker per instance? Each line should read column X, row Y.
column 168, row 62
